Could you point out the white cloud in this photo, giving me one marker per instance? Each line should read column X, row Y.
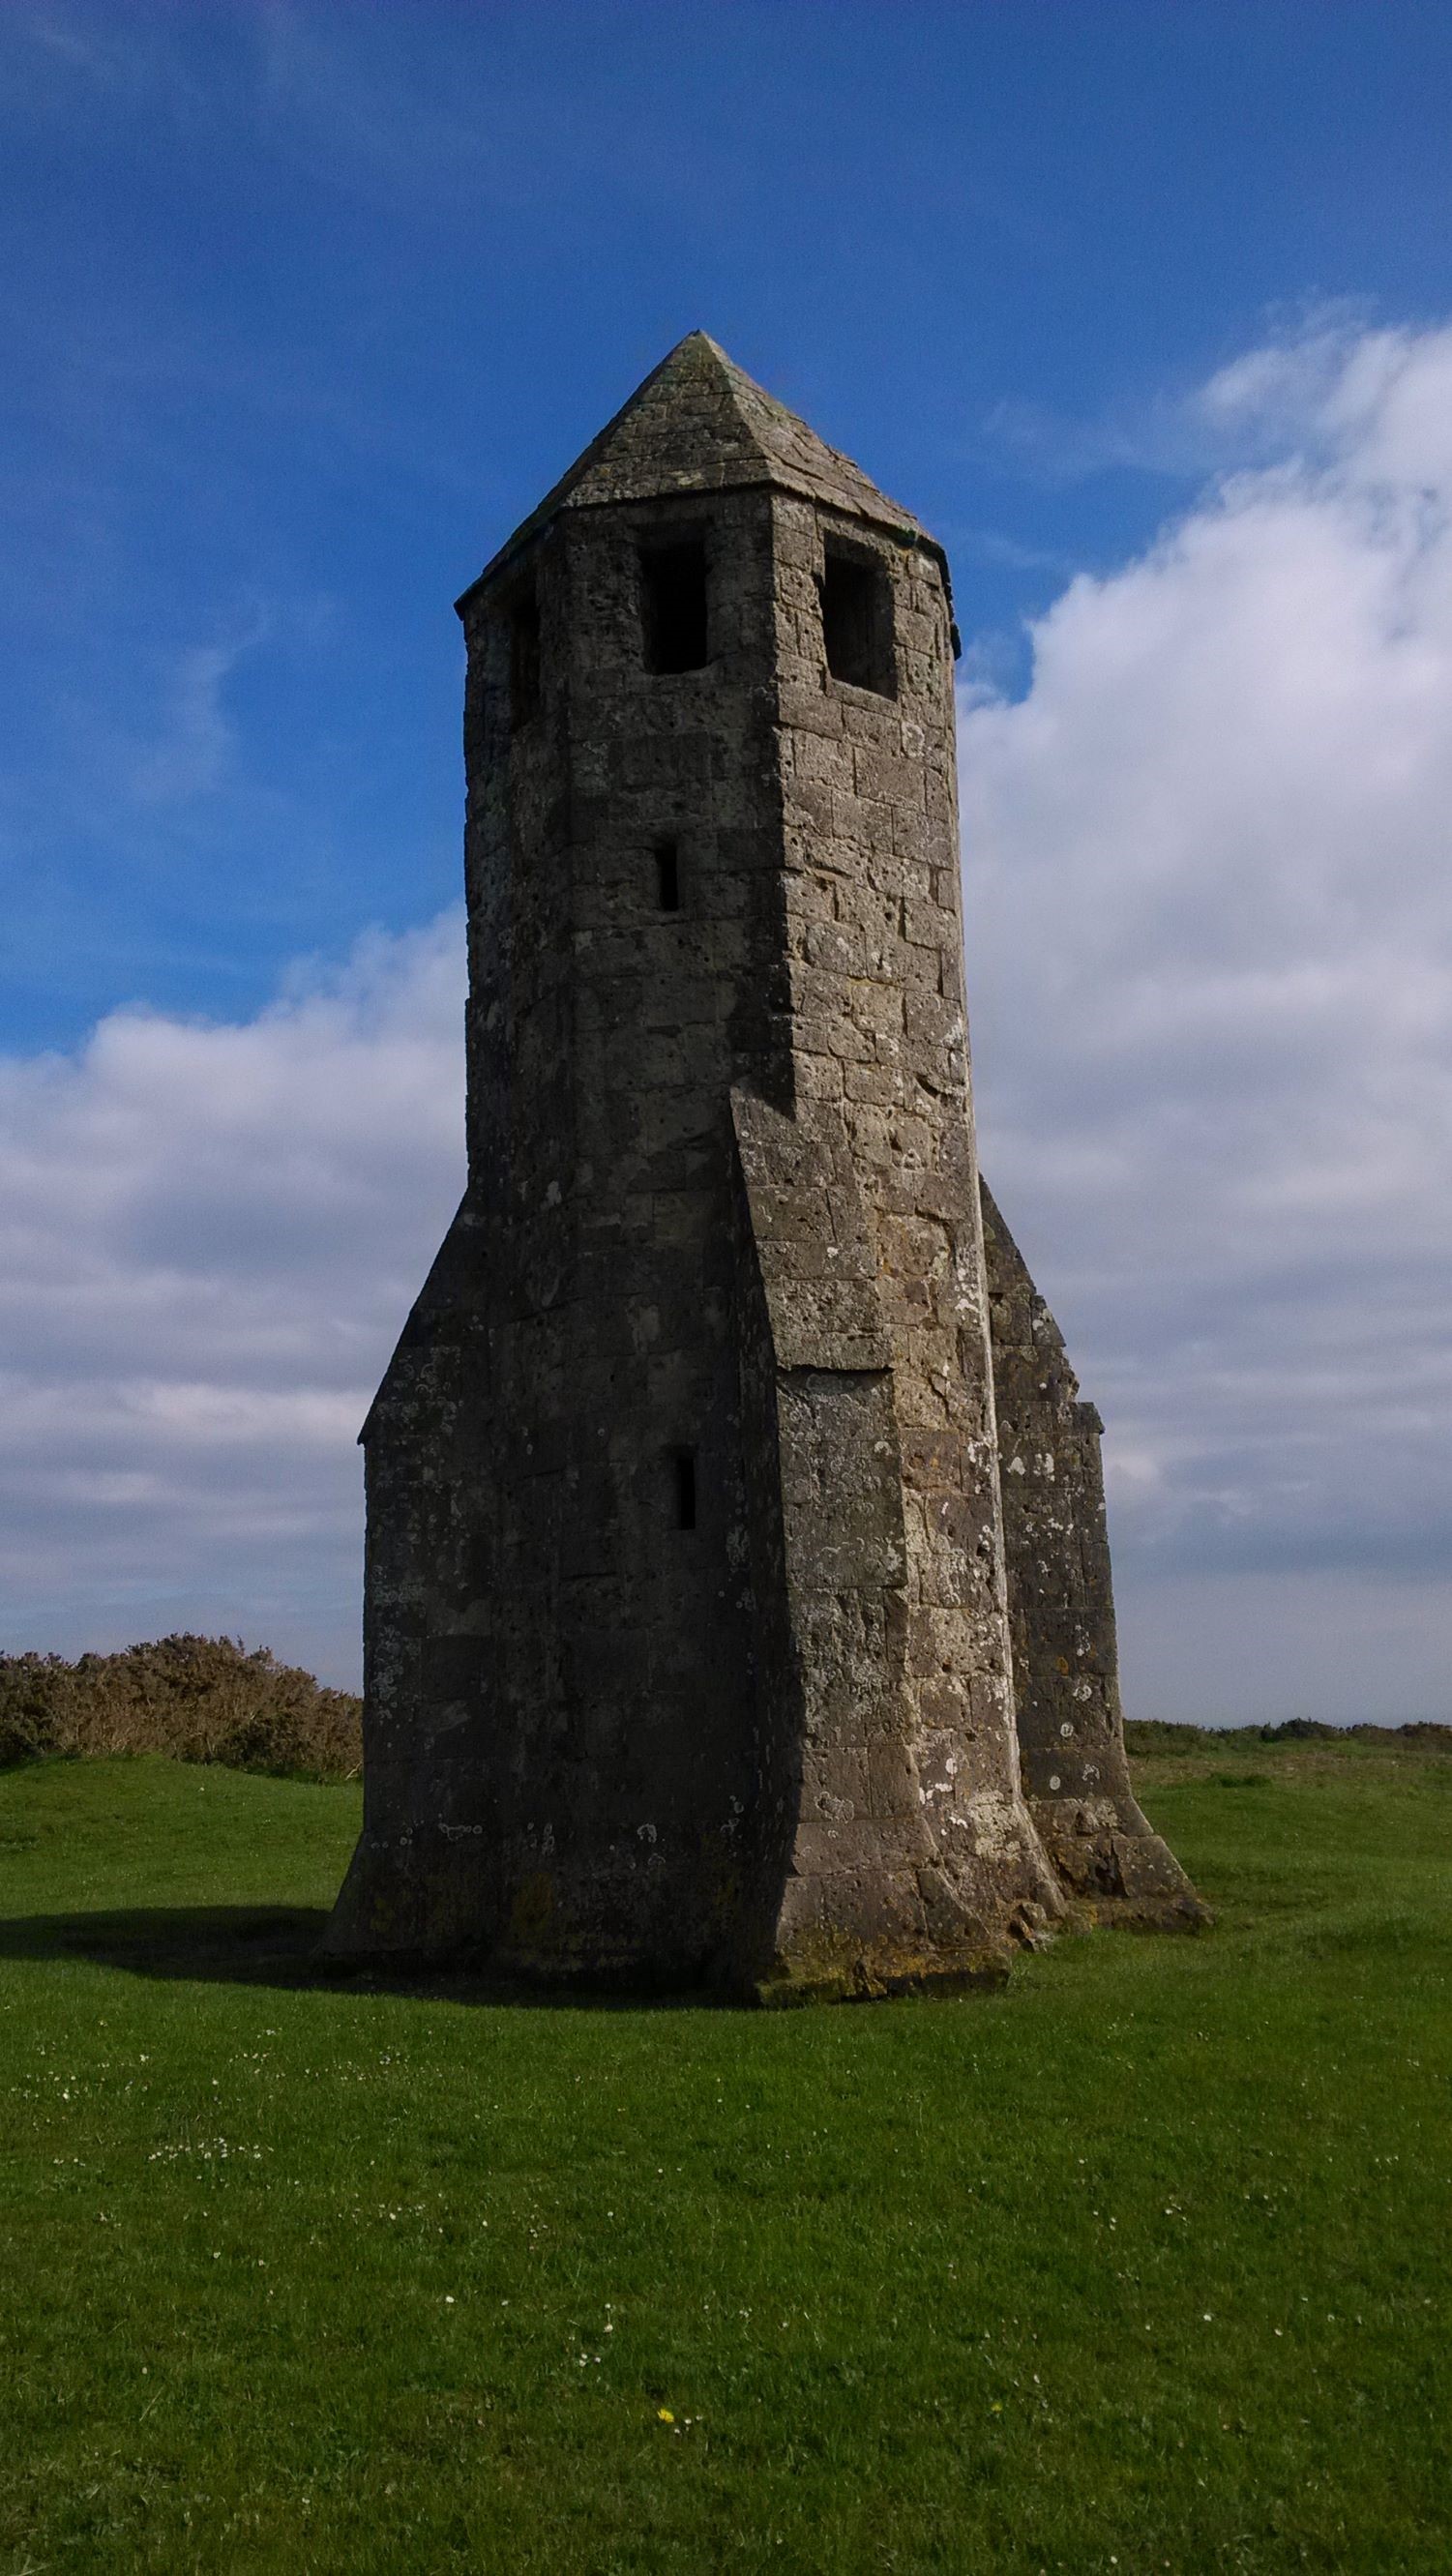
column 1209, row 898
column 209, row 1237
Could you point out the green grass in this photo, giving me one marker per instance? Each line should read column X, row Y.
column 1142, row 2264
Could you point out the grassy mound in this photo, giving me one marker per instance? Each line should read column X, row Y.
column 1143, row 2264
column 201, row 1699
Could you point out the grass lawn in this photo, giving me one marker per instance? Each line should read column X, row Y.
column 1142, row 2264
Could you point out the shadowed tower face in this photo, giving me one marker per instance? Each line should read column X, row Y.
column 687, row 1629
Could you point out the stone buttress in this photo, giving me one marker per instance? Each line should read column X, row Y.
column 687, row 1635
column 1061, row 1615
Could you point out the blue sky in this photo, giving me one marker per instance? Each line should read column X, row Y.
column 305, row 307
column 1142, row 309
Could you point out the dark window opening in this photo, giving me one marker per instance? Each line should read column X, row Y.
column 523, row 657
column 668, row 876
column 673, row 606
column 683, row 1484
column 857, row 623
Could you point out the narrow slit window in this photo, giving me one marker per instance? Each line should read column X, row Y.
column 673, row 606
column 668, row 876
column 683, row 1487
column 857, row 623
column 524, row 683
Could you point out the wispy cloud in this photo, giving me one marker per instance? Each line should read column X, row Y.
column 134, row 57
column 1247, row 414
column 996, row 546
column 195, row 744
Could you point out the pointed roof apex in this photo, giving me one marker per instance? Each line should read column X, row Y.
column 697, row 424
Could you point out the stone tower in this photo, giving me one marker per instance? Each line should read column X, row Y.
column 689, row 1646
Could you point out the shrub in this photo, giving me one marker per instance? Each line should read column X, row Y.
column 202, row 1699
column 1165, row 1735
column 29, row 1706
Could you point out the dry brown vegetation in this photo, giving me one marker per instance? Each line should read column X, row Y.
column 202, row 1699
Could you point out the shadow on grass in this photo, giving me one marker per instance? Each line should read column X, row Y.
column 278, row 1945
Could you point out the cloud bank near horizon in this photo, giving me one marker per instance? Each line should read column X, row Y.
column 210, row 1237
column 1209, row 929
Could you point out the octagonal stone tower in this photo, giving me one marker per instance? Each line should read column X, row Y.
column 687, row 1631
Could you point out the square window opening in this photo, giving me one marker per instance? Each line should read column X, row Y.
column 668, row 875
column 673, row 606
column 857, row 623
column 683, row 1488
column 524, row 671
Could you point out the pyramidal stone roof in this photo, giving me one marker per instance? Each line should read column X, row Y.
column 697, row 424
